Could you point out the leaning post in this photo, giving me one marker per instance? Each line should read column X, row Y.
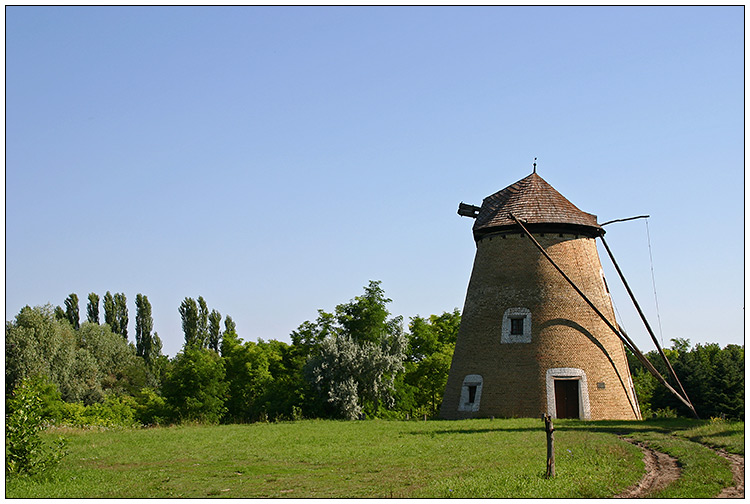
column 550, row 430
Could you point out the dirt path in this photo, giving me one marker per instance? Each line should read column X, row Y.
column 661, row 470
column 738, row 472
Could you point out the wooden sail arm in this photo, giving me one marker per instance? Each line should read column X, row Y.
column 626, row 219
column 645, row 322
column 620, row 334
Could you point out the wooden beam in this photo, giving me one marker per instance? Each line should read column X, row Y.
column 645, row 322
column 620, row 334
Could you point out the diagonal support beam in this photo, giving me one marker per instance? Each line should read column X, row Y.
column 648, row 326
column 620, row 334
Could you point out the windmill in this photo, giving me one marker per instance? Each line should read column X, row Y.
column 538, row 333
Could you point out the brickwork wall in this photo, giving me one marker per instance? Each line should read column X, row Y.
column 565, row 333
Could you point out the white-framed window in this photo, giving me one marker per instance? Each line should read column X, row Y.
column 471, row 393
column 516, row 326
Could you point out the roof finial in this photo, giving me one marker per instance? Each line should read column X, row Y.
column 534, row 165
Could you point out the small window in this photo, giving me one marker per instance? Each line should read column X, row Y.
column 516, row 326
column 472, row 393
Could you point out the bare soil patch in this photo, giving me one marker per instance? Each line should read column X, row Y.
column 661, row 470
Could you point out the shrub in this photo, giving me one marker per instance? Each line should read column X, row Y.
column 113, row 412
column 151, row 408
column 25, row 452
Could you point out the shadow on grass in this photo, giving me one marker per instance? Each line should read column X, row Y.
column 618, row 427
column 475, row 431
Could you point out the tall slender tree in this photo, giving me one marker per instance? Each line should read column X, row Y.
column 202, row 321
column 189, row 314
column 110, row 313
column 214, row 330
column 71, row 310
column 121, row 310
column 92, row 309
column 144, row 324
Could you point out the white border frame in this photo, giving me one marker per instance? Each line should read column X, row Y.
column 584, row 409
column 506, row 336
column 463, row 402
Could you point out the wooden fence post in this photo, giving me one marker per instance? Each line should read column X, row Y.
column 550, row 430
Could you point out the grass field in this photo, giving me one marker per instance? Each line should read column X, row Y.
column 315, row 458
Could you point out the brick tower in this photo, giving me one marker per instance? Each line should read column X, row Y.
column 528, row 343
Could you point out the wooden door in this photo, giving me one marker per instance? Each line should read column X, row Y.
column 566, row 398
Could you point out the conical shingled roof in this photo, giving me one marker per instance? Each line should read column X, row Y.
column 537, row 204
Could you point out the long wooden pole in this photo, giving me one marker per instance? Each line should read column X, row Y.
column 642, row 358
column 645, row 322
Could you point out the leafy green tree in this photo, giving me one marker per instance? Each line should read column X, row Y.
column 356, row 354
column 214, row 330
column 71, row 310
column 288, row 395
column 645, row 384
column 247, row 376
column 309, row 335
column 189, row 314
column 195, row 387
column 229, row 325
column 358, row 377
column 428, row 360
column 430, row 376
column 37, row 343
column 60, row 314
column 117, row 370
column 365, row 318
column 92, row 309
column 84, row 365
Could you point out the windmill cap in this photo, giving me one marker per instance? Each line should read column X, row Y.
column 538, row 205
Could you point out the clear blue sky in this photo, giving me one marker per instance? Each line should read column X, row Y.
column 276, row 159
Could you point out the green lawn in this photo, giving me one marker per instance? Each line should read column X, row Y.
column 315, row 458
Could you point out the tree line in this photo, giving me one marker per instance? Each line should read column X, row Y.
column 351, row 362
column 713, row 378
column 355, row 361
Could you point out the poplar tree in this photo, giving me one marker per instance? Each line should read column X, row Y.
column 144, row 324
column 110, row 314
column 189, row 313
column 202, row 322
column 214, row 330
column 71, row 310
column 121, row 313
column 92, row 310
